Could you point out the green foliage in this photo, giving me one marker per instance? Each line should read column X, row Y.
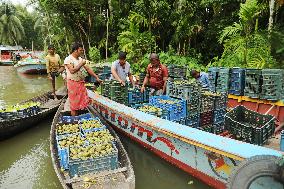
column 11, row 29
column 243, row 46
column 94, row 54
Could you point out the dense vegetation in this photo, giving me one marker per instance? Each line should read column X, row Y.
column 206, row 32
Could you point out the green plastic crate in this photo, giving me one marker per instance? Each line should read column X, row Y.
column 249, row 126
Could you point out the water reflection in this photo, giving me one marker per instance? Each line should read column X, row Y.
column 152, row 172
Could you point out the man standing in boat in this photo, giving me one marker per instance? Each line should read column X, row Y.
column 156, row 76
column 75, row 66
column 53, row 66
column 120, row 70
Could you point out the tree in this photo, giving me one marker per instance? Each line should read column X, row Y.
column 11, row 29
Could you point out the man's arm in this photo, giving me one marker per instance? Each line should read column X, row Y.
column 74, row 69
column 92, row 73
column 165, row 84
column 115, row 75
column 131, row 79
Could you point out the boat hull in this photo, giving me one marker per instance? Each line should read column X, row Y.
column 128, row 183
column 210, row 163
column 9, row 128
column 32, row 69
column 6, row 63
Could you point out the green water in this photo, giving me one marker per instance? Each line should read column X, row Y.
column 25, row 161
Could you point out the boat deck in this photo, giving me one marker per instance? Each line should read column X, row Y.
column 102, row 181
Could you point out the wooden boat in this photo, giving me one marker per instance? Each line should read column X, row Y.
column 6, row 63
column 218, row 161
column 121, row 178
column 31, row 68
column 10, row 127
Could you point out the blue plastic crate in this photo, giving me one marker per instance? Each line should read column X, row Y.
column 237, row 81
column 63, row 154
column 193, row 120
column 91, row 129
column 219, row 115
column 94, row 165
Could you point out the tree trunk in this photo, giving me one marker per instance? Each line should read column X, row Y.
column 110, row 8
column 107, row 34
column 271, row 13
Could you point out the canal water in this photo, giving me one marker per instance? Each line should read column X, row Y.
column 25, row 161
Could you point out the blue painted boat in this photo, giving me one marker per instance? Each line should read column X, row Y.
column 6, row 63
column 34, row 66
column 218, row 161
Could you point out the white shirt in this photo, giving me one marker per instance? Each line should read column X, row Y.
column 78, row 76
column 121, row 72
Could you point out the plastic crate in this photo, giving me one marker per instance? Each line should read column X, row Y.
column 176, row 109
column 207, row 103
column 272, row 86
column 213, row 73
column 207, row 128
column 193, row 120
column 91, row 129
column 249, row 126
column 94, row 165
column 253, row 82
column 219, row 127
column 63, row 154
column 206, row 118
column 237, row 81
column 219, row 115
column 223, row 80
column 220, row 100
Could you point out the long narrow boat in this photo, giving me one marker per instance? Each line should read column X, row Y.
column 31, row 68
column 218, row 161
column 120, row 178
column 12, row 126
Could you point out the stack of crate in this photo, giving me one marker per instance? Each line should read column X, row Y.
column 118, row 93
column 237, row 81
column 189, row 91
column 253, row 82
column 212, row 76
column 206, row 111
column 223, row 79
column 175, row 107
column 220, row 109
column 176, row 71
column 272, row 86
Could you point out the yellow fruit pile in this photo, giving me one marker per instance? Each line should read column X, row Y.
column 209, row 93
column 168, row 101
column 99, row 137
column 73, row 140
column 151, row 109
column 87, row 152
column 67, row 128
column 89, row 124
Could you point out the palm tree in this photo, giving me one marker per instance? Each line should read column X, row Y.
column 11, row 29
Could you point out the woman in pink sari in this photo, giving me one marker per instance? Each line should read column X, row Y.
column 77, row 92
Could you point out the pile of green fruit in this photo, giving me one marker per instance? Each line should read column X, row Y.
column 87, row 152
column 73, row 140
column 17, row 107
column 209, row 93
column 89, row 124
column 99, row 137
column 67, row 128
column 150, row 109
column 168, row 101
